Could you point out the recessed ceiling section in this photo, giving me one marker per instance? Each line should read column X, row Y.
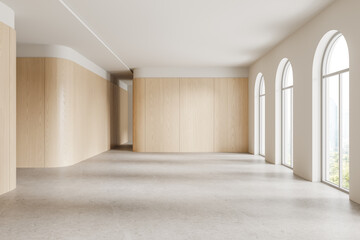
column 118, row 35
column 48, row 22
column 187, row 33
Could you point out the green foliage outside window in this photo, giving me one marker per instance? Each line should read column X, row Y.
column 333, row 170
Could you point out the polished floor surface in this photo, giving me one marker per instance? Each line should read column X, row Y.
column 124, row 195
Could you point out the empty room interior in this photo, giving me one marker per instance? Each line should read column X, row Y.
column 179, row 119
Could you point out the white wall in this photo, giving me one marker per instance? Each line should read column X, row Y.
column 7, row 15
column 201, row 72
column 300, row 48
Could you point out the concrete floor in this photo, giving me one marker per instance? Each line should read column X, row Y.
column 124, row 195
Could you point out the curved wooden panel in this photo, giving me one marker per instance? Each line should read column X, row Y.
column 64, row 111
column 59, row 92
column 77, row 113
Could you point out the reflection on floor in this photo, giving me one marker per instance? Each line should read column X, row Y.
column 125, row 195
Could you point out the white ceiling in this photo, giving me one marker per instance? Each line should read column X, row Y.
column 164, row 33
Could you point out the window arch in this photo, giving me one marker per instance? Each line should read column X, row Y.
column 262, row 116
column 287, row 81
column 259, row 115
column 335, row 113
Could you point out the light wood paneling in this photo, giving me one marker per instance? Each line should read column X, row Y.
column 191, row 115
column 59, row 92
column 196, row 115
column 221, row 115
column 75, row 105
column 231, row 114
column 162, row 115
column 238, row 115
column 80, row 112
column 4, row 108
column 30, row 112
column 124, row 136
column 7, row 109
column 77, row 117
column 139, row 115
column 13, row 146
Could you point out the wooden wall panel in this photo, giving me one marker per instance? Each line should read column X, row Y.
column 124, row 136
column 231, row 115
column 80, row 111
column 162, row 115
column 59, row 92
column 76, row 112
column 102, row 124
column 139, row 115
column 7, row 108
column 210, row 115
column 116, row 130
column 4, row 108
column 30, row 112
column 196, row 115
column 221, row 115
column 13, row 154
column 238, row 115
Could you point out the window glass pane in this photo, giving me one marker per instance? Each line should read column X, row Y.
column 345, row 129
column 332, row 129
column 262, row 86
column 288, row 76
column 262, row 125
column 338, row 58
column 287, row 126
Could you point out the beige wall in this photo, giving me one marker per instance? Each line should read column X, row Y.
column 64, row 113
column 300, row 49
column 190, row 115
column 7, row 108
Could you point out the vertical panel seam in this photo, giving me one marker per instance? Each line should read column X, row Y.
column 9, row 80
column 145, row 113
column 179, row 145
column 214, row 101
column 44, row 123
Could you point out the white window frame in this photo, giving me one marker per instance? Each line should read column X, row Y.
column 283, row 90
column 261, row 95
column 327, row 53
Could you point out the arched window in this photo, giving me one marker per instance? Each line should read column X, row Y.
column 287, row 115
column 335, row 113
column 262, row 117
